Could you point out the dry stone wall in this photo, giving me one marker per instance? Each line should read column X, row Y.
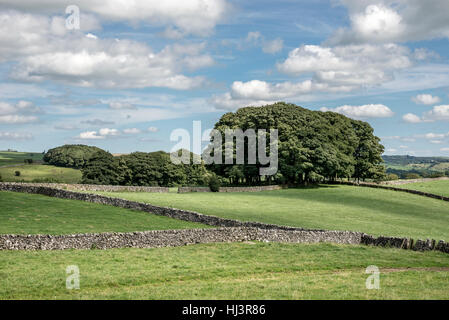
column 230, row 189
column 170, row 238
column 229, row 230
column 94, row 187
column 379, row 186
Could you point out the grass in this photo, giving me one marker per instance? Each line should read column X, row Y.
column 439, row 187
column 374, row 211
column 11, row 158
column 226, row 271
column 22, row 213
column 28, row 173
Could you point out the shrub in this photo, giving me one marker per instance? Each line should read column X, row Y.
column 28, row 161
column 17, row 173
column 411, row 176
column 392, row 177
column 214, row 184
column 1, row 179
column 437, row 175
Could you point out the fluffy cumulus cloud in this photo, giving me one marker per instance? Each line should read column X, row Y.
column 19, row 113
column 363, row 112
column 394, row 21
column 197, row 17
column 40, row 53
column 98, row 135
column 438, row 113
column 426, row 99
column 338, row 69
column 411, row 118
column 15, row 136
column 348, row 66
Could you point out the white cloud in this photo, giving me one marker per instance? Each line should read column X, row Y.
column 101, row 134
column 197, row 17
column 394, row 21
column 15, row 136
column 351, row 66
column 411, row 118
column 426, row 99
column 108, row 132
column 363, row 112
column 19, row 113
column 40, row 54
column 438, row 113
column 90, row 135
column 444, row 149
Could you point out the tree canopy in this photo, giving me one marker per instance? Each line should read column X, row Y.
column 313, row 145
column 71, row 156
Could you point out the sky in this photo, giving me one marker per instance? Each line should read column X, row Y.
column 127, row 73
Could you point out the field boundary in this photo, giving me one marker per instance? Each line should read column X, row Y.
column 230, row 189
column 408, row 181
column 386, row 187
column 94, row 187
column 272, row 232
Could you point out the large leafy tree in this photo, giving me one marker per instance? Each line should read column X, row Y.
column 71, row 156
column 313, row 145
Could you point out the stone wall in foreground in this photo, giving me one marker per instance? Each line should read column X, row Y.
column 230, row 189
column 171, row 238
column 229, row 231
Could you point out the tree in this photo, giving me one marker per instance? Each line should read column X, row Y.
column 71, row 156
column 313, row 145
column 368, row 153
column 102, row 168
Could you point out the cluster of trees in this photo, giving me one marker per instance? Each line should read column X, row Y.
column 142, row 169
column 313, row 145
column 71, row 156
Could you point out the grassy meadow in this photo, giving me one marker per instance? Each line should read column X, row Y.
column 439, row 187
column 12, row 158
column 40, row 172
column 374, row 211
column 22, row 213
column 226, row 271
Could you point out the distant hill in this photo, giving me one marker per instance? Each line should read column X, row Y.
column 424, row 166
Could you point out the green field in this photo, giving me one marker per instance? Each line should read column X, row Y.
column 226, row 271
column 374, row 211
column 11, row 158
column 22, row 213
column 439, row 187
column 40, row 173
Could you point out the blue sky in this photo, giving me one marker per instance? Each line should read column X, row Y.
column 135, row 71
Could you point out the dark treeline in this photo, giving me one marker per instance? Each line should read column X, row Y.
column 313, row 146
